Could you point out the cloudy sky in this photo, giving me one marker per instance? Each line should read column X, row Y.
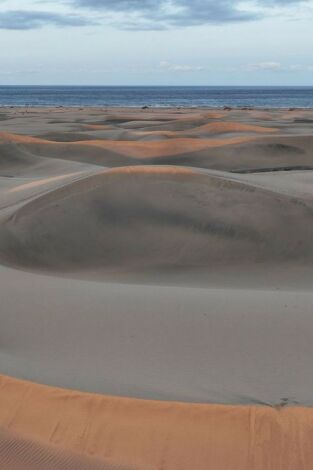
column 156, row 42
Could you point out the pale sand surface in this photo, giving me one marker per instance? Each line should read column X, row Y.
column 169, row 343
column 158, row 255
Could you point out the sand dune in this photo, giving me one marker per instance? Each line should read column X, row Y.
column 205, row 130
column 241, row 148
column 127, row 148
column 161, row 149
column 229, row 127
column 186, row 219
column 255, row 155
column 17, row 161
column 156, row 255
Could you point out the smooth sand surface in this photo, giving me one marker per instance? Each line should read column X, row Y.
column 169, row 343
column 156, row 255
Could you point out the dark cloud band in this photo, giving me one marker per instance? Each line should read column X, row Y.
column 25, row 20
column 144, row 14
column 160, row 14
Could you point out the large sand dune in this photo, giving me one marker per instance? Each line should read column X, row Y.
column 186, row 220
column 156, row 255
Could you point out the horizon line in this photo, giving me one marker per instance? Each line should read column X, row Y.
column 155, row 86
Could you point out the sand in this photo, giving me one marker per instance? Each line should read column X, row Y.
column 163, row 260
column 61, row 425
column 18, row 452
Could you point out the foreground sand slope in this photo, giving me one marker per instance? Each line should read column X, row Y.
column 155, row 435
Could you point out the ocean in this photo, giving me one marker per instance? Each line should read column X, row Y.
column 107, row 96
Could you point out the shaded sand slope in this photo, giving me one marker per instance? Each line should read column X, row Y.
column 294, row 183
column 228, row 128
column 16, row 161
column 156, row 435
column 186, row 220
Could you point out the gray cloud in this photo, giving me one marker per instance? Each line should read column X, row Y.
column 166, row 13
column 25, row 20
column 161, row 14
column 143, row 14
column 280, row 2
column 121, row 5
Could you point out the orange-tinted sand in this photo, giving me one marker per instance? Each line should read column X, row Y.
column 158, row 435
column 229, row 127
column 135, row 149
column 24, row 453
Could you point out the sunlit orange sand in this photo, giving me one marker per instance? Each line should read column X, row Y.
column 155, row 435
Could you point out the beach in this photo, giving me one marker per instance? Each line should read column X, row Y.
column 156, row 288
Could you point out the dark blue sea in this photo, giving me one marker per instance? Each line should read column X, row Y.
column 260, row 97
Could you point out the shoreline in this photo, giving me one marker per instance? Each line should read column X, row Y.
column 152, row 108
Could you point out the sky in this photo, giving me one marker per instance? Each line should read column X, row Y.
column 156, row 42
